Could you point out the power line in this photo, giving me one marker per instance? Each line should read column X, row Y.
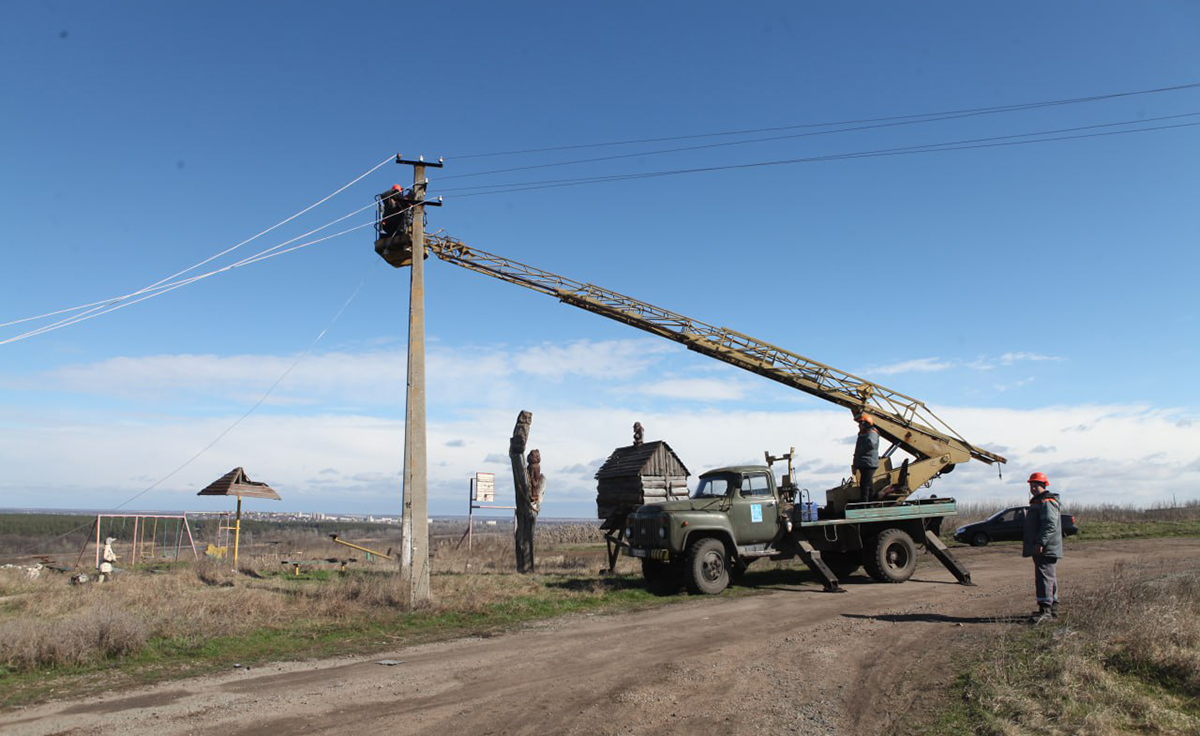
column 873, row 125
column 239, row 420
column 163, row 287
column 989, row 142
column 217, row 255
column 999, row 108
column 169, row 287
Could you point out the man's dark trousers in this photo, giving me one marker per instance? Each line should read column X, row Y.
column 1046, row 579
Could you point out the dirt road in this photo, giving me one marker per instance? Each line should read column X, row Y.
column 793, row 660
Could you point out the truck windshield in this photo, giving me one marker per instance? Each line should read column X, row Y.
column 716, row 486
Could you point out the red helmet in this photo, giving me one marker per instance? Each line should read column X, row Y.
column 867, row 419
column 397, row 188
column 1040, row 478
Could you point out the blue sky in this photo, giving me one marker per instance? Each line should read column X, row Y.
column 1041, row 297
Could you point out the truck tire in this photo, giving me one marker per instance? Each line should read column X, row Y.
column 842, row 564
column 661, row 577
column 706, row 568
column 891, row 557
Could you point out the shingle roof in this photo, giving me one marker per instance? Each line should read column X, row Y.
column 630, row 460
column 237, row 483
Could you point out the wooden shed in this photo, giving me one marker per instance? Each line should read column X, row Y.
column 643, row 472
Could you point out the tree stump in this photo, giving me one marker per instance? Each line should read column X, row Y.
column 530, row 487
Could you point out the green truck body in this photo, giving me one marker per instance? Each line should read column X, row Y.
column 738, row 515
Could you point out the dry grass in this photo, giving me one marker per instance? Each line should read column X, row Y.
column 1124, row 659
column 47, row 623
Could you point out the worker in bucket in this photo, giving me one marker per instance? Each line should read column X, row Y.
column 866, row 454
column 1043, row 542
column 107, row 558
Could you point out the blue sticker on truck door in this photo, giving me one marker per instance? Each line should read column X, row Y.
column 756, row 513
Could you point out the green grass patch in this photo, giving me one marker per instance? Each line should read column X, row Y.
column 1147, row 529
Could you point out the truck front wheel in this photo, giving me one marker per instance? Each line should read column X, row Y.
column 706, row 567
column 892, row 557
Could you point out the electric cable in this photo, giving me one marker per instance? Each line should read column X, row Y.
column 163, row 288
column 809, row 134
column 308, row 351
column 967, row 144
column 998, row 108
column 194, row 266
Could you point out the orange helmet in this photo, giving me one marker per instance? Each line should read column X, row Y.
column 866, row 418
column 1040, row 478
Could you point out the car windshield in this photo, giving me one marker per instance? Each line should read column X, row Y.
column 1006, row 514
column 713, row 486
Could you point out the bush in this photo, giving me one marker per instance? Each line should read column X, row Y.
column 101, row 633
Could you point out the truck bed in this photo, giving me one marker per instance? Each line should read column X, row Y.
column 856, row 513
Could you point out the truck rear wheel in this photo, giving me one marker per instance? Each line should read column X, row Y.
column 706, row 567
column 892, row 557
column 842, row 564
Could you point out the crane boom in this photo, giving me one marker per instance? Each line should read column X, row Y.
column 906, row 421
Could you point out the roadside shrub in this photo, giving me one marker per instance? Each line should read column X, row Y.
column 101, row 633
column 348, row 595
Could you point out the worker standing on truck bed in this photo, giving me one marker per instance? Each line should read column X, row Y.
column 866, row 455
column 1043, row 542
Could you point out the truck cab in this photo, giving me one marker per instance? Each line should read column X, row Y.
column 735, row 514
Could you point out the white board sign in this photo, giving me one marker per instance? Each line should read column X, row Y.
column 485, row 487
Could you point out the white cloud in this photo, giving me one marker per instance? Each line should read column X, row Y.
column 698, row 389
column 333, row 438
column 1132, row 454
column 610, row 359
column 987, row 363
column 461, row 375
column 1010, row 358
column 935, row 364
column 1020, row 383
column 917, row 365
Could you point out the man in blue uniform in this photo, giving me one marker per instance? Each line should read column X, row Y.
column 1043, row 542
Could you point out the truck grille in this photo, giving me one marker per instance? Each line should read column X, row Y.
column 645, row 531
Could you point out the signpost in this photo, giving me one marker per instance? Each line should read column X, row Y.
column 481, row 490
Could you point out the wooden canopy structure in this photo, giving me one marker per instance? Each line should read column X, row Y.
column 237, row 483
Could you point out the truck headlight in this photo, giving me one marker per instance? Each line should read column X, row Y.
column 662, row 532
column 629, row 532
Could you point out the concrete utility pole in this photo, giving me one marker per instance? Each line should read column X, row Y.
column 414, row 520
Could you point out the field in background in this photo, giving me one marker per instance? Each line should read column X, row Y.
column 60, row 535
